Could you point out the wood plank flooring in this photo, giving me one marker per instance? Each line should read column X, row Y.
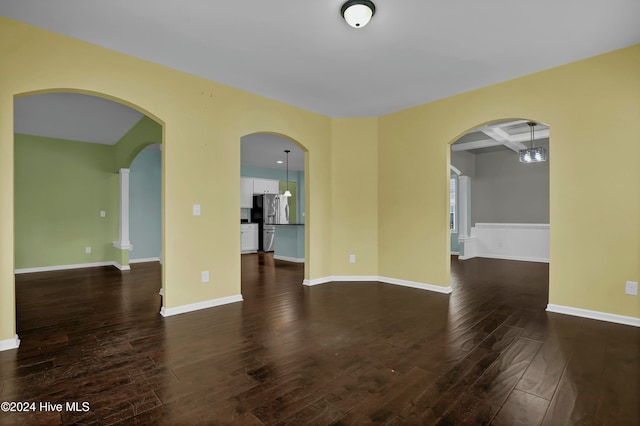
column 338, row 353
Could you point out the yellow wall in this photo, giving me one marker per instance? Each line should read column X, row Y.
column 590, row 105
column 203, row 122
column 593, row 108
column 354, row 189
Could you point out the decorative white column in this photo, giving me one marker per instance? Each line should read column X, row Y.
column 463, row 206
column 467, row 241
column 123, row 242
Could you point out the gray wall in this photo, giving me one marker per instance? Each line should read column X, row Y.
column 507, row 191
column 465, row 162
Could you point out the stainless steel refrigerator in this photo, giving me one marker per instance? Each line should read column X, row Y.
column 268, row 211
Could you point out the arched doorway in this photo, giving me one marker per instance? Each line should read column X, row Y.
column 70, row 148
column 504, row 198
column 274, row 232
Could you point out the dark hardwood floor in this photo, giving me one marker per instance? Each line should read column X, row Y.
column 339, row 353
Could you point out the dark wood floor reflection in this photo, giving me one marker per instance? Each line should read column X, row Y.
column 339, row 353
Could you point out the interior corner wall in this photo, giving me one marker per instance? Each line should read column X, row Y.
column 354, row 189
column 505, row 190
column 60, row 188
column 146, row 131
column 592, row 107
column 145, row 205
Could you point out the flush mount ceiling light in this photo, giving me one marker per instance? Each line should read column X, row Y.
column 358, row 13
column 533, row 154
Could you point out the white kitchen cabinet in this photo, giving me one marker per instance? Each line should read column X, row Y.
column 266, row 186
column 248, row 237
column 246, row 193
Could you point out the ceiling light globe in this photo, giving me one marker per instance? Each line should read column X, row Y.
column 358, row 13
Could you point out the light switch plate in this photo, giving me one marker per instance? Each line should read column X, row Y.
column 103, row 213
column 196, row 209
column 631, row 288
column 204, row 276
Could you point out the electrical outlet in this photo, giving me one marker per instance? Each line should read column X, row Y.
column 196, row 209
column 631, row 288
column 352, row 258
column 87, row 250
column 204, row 276
column 103, row 213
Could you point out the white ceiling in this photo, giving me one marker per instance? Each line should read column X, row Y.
column 74, row 117
column 265, row 149
column 304, row 54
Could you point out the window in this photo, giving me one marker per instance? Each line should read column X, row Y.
column 452, row 204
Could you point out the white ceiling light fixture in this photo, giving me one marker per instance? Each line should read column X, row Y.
column 533, row 154
column 358, row 13
column 287, row 193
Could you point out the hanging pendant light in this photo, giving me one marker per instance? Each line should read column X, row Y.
column 287, row 193
column 358, row 13
column 533, row 154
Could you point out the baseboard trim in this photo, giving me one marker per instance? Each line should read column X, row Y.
column 386, row 280
column 9, row 344
column 505, row 257
column 177, row 310
column 122, row 267
column 414, row 284
column 457, row 253
column 144, row 260
column 288, row 259
column 596, row 315
column 63, row 267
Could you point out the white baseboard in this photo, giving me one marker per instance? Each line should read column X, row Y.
column 501, row 257
column 167, row 312
column 596, row 315
column 414, row 284
column 121, row 267
column 288, row 259
column 144, row 260
column 457, row 253
column 386, row 280
column 63, row 267
column 8, row 344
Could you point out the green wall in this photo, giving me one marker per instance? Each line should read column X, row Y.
column 60, row 188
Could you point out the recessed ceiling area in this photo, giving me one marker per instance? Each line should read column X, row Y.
column 511, row 135
column 303, row 53
column 74, row 117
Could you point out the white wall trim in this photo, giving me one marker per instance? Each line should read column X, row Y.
column 8, row 344
column 457, row 253
column 510, row 241
column 289, row 259
column 177, row 310
column 513, row 225
column 522, row 258
column 123, row 246
column 62, row 267
column 386, row 280
column 596, row 315
column 144, row 260
column 121, row 267
column 414, row 284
